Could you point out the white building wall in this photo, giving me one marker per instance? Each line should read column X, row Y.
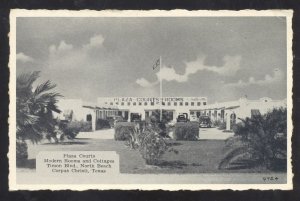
column 141, row 104
column 79, row 112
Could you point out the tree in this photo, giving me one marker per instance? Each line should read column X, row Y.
column 34, row 108
column 258, row 141
column 160, row 126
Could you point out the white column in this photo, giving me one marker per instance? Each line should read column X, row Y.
column 93, row 120
column 228, row 121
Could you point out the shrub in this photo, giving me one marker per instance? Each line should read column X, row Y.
column 22, row 154
column 222, row 126
column 86, row 126
column 258, row 141
column 217, row 123
column 151, row 146
column 160, row 126
column 102, row 123
column 186, row 131
column 123, row 130
column 72, row 128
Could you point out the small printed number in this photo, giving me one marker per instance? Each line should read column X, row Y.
column 270, row 178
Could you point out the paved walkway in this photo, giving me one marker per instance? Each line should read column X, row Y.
column 99, row 134
column 214, row 134
column 205, row 134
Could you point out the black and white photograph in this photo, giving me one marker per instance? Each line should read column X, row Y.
column 150, row 100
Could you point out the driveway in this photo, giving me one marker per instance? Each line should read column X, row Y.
column 205, row 134
column 98, row 134
column 213, row 134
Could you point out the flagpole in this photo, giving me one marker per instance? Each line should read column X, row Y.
column 160, row 81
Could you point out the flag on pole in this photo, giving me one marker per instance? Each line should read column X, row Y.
column 157, row 63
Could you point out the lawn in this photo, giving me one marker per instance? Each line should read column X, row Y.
column 193, row 156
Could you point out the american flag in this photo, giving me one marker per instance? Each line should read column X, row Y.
column 157, row 63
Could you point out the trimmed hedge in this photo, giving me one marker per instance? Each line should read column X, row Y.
column 72, row 128
column 123, row 130
column 21, row 152
column 188, row 131
column 102, row 123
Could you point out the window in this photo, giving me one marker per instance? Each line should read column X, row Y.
column 116, row 103
column 198, row 103
column 134, row 103
column 163, row 103
column 204, row 103
column 128, row 103
column 140, row 103
column 181, row 103
column 169, row 103
column 175, row 103
column 122, row 103
column 186, row 103
column 192, row 103
column 89, row 117
column 111, row 103
column 152, row 103
column 192, row 112
column 145, row 103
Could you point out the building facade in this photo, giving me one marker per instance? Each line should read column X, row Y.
column 146, row 105
column 229, row 112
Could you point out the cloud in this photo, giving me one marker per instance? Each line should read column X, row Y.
column 145, row 83
column 62, row 47
column 230, row 67
column 23, row 57
column 268, row 79
column 95, row 41
column 68, row 56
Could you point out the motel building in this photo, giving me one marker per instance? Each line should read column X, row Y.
column 228, row 112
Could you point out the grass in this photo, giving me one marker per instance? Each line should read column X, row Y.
column 193, row 156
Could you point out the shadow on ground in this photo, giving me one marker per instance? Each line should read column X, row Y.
column 65, row 143
column 174, row 143
column 28, row 163
column 175, row 164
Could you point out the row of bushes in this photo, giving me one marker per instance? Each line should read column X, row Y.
column 68, row 129
column 186, row 131
column 123, row 130
column 182, row 131
column 102, row 124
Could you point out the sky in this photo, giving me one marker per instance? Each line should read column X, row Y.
column 221, row 58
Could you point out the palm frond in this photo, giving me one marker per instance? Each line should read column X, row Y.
column 233, row 153
column 27, row 79
column 46, row 86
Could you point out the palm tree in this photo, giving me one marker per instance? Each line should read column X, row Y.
column 34, row 108
column 259, row 141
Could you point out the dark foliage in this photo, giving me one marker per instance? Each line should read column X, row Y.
column 152, row 146
column 123, row 130
column 72, row 128
column 258, row 141
column 160, row 125
column 186, row 131
column 21, row 152
column 102, row 124
column 34, row 109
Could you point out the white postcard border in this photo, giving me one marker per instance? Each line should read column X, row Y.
column 153, row 13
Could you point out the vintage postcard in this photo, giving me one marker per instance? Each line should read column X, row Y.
column 150, row 100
